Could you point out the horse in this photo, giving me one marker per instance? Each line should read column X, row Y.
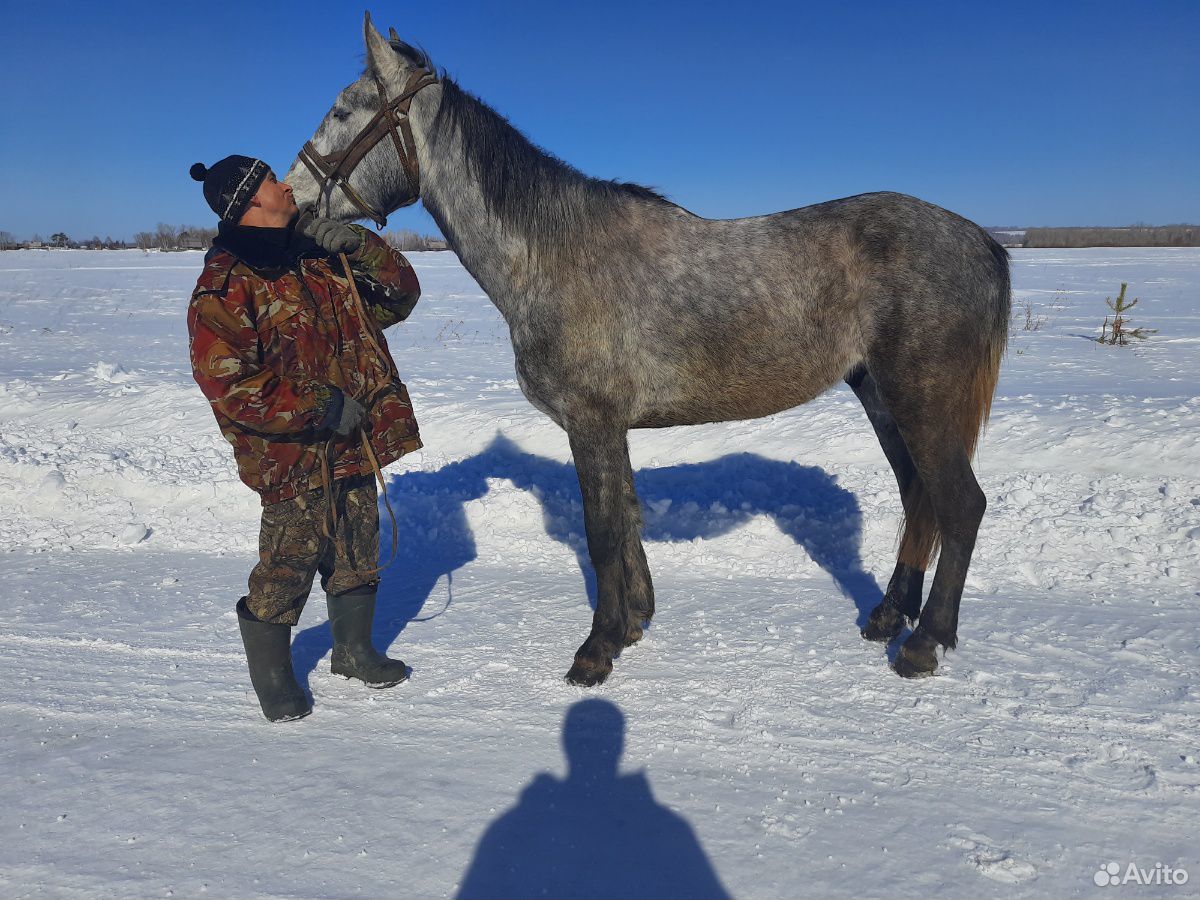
column 628, row 311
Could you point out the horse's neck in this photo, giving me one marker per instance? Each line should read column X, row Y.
column 499, row 261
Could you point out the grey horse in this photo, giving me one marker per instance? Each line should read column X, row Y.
column 627, row 311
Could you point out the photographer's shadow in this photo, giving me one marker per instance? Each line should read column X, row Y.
column 595, row 833
column 680, row 503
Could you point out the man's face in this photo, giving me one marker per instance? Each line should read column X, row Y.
column 274, row 198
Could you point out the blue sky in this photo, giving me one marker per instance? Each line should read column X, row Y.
column 1008, row 113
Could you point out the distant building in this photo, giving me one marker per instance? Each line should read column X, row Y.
column 435, row 244
column 1008, row 237
column 188, row 241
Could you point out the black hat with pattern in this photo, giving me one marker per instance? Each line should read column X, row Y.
column 231, row 184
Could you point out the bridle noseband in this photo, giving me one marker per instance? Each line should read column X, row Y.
column 392, row 118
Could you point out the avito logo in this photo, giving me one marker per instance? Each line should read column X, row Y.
column 1110, row 874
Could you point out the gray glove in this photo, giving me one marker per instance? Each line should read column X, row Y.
column 343, row 414
column 352, row 416
column 328, row 234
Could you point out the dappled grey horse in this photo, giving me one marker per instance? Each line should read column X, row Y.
column 627, row 311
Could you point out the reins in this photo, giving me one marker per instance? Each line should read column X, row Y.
column 329, row 522
column 392, row 118
column 335, row 169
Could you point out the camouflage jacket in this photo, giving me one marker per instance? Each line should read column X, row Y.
column 266, row 342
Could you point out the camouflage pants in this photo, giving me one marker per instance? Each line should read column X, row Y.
column 292, row 549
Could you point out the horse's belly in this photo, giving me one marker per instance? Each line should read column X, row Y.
column 733, row 395
column 721, row 407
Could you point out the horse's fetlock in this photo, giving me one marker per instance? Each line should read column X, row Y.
column 634, row 634
column 905, row 604
column 942, row 634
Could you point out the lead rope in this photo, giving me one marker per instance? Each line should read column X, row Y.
column 363, row 435
column 369, row 451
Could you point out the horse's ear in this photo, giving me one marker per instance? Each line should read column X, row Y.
column 392, row 36
column 380, row 55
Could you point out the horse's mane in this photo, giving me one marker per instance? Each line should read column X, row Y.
column 529, row 191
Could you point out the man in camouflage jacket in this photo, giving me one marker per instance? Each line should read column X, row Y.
column 302, row 384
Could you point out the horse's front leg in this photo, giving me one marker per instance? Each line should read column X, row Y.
column 600, row 462
column 639, row 588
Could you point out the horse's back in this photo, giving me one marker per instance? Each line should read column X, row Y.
column 703, row 320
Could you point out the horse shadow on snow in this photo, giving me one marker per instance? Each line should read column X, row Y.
column 679, row 503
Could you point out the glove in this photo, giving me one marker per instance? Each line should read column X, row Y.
column 352, row 416
column 343, row 414
column 327, row 234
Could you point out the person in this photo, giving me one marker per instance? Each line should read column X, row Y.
column 290, row 352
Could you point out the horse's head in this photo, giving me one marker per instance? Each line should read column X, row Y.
column 356, row 165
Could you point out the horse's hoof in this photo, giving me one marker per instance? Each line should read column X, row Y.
column 917, row 658
column 633, row 635
column 884, row 623
column 588, row 672
column 905, row 668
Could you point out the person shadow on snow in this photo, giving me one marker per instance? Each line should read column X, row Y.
column 595, row 833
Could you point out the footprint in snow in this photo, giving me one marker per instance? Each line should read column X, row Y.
column 989, row 860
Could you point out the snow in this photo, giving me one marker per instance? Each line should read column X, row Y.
column 762, row 733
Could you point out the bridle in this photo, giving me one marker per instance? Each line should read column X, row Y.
column 392, row 118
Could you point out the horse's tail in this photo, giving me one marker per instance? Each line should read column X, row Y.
column 995, row 341
column 920, row 532
column 981, row 380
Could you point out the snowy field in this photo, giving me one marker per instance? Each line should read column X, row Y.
column 767, row 750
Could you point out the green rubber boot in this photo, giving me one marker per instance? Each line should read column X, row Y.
column 350, row 618
column 269, row 656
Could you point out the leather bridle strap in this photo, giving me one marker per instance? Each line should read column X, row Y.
column 392, row 118
column 329, row 519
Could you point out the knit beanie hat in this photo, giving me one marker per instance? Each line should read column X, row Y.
column 231, row 184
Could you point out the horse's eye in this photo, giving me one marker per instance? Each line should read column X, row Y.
column 341, row 114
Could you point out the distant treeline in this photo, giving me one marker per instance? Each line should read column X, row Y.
column 410, row 240
column 1133, row 236
column 191, row 237
column 59, row 240
column 175, row 237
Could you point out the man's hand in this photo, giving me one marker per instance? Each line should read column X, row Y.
column 344, row 414
column 353, row 415
column 328, row 234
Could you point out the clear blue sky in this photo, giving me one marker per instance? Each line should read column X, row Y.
column 1022, row 113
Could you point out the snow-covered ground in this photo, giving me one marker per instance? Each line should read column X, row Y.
column 760, row 732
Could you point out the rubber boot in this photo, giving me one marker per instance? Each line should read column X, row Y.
column 350, row 618
column 269, row 656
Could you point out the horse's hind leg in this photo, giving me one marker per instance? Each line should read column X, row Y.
column 639, row 589
column 938, row 429
column 902, row 600
column 601, row 460
column 959, row 504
